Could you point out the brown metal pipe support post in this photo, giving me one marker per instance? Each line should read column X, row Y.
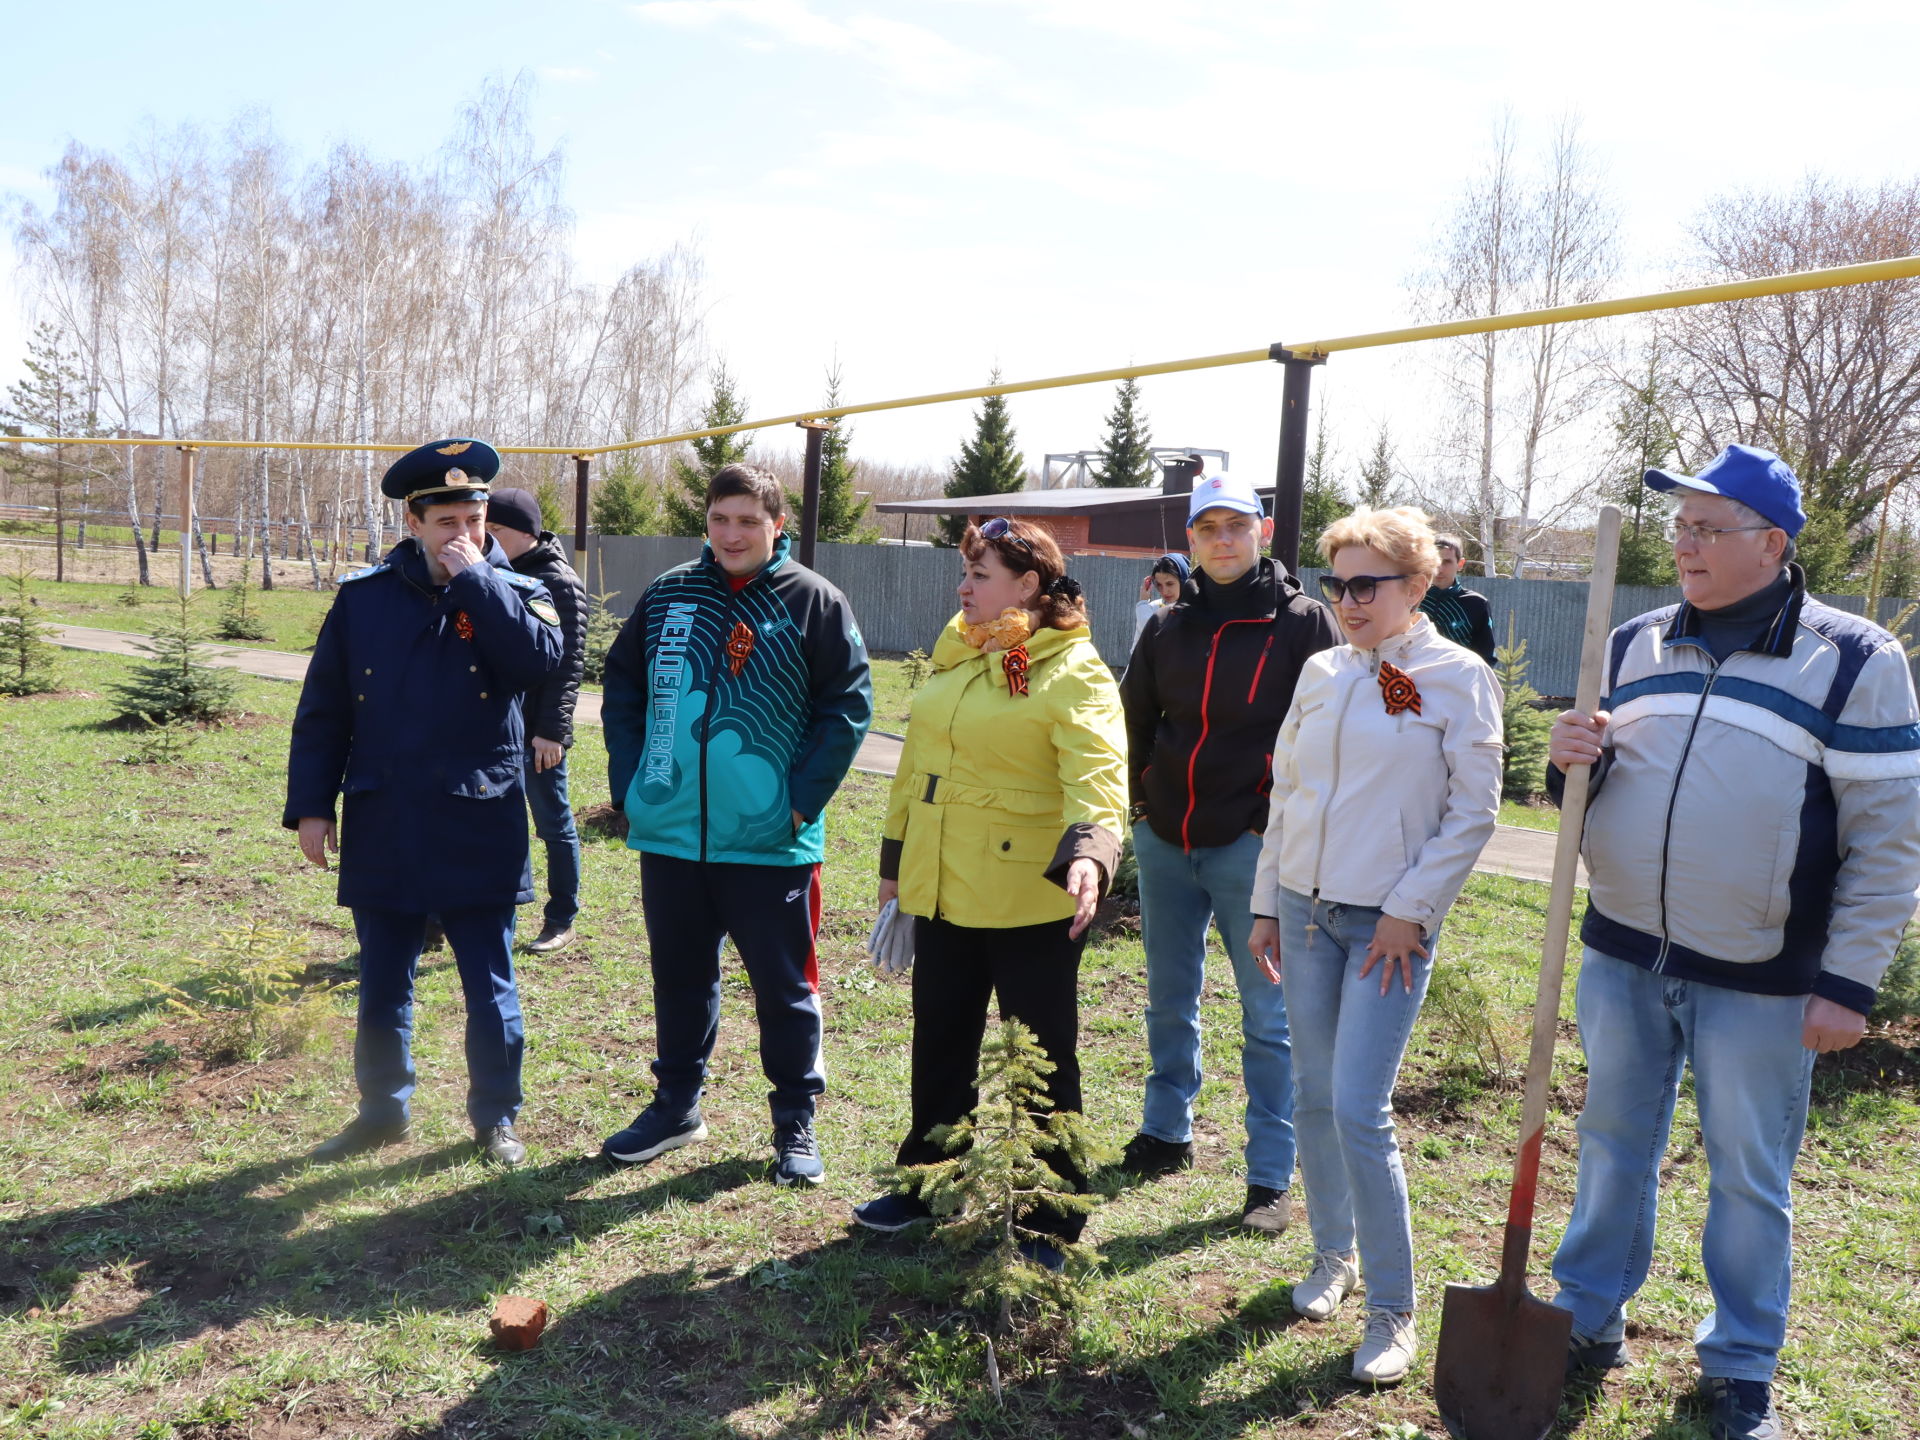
column 1290, row 478
column 810, row 489
column 186, row 521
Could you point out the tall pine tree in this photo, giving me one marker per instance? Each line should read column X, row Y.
column 685, row 493
column 989, row 463
column 1321, row 501
column 1125, row 459
column 842, row 511
column 50, row 401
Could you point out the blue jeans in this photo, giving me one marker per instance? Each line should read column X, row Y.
column 482, row 943
column 1750, row 1076
column 1348, row 1043
column 553, row 823
column 1180, row 891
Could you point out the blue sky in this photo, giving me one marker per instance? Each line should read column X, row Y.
column 927, row 189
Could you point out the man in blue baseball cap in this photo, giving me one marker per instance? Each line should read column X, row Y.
column 1754, row 847
column 410, row 718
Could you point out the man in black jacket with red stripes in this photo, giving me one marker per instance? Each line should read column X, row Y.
column 1207, row 686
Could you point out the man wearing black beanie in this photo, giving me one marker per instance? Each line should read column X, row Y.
column 513, row 517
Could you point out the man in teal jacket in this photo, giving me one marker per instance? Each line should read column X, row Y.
column 736, row 697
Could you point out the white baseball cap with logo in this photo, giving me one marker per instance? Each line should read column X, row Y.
column 1223, row 492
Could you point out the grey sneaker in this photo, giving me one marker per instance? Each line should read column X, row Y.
column 796, row 1155
column 1387, row 1350
column 1267, row 1209
column 551, row 938
column 1742, row 1409
column 1331, row 1280
column 653, row 1132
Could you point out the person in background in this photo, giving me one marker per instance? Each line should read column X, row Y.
column 1002, row 831
column 1159, row 589
column 1386, row 784
column 513, row 519
column 410, row 718
column 1207, row 687
column 1754, row 847
column 737, row 695
column 1461, row 615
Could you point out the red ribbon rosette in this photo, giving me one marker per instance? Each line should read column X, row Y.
column 1397, row 687
column 463, row 625
column 1014, row 662
column 739, row 646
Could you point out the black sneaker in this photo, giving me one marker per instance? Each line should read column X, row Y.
column 796, row 1157
column 653, row 1133
column 500, row 1145
column 1267, row 1209
column 358, row 1138
column 1149, row 1155
column 1593, row 1356
column 551, row 938
column 1742, row 1409
column 890, row 1214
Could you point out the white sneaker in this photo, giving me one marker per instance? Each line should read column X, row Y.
column 1332, row 1278
column 1386, row 1354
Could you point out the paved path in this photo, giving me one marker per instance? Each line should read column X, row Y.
column 1524, row 854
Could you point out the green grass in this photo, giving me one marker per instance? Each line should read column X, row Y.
column 1530, row 817
column 169, row 1268
column 292, row 617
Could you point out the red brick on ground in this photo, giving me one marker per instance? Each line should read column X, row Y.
column 517, row 1322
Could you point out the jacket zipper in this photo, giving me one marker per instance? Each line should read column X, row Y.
column 1206, row 693
column 1258, row 669
column 1673, row 799
column 713, row 693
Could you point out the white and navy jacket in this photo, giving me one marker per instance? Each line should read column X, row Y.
column 1756, row 822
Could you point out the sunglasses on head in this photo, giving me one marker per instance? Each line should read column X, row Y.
column 1001, row 528
column 1361, row 587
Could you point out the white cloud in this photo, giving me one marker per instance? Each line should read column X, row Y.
column 905, row 54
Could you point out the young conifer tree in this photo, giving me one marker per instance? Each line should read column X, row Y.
column 989, row 464
column 1125, row 456
column 27, row 656
column 996, row 1173
column 176, row 687
column 685, row 496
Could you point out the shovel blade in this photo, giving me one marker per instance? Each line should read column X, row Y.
column 1500, row 1369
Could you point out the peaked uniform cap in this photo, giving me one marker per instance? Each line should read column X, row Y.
column 444, row 470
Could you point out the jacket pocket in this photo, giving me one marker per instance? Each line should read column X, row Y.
column 1022, row 844
column 487, row 782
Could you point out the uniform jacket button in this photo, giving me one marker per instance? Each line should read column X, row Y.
column 483, row 694
column 369, row 670
column 471, row 670
column 360, row 697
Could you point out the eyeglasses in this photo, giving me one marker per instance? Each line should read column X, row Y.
column 1360, row 587
column 1001, row 528
column 1678, row 530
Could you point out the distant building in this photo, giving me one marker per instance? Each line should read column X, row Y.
column 1141, row 522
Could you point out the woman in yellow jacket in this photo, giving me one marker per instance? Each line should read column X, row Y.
column 1002, row 831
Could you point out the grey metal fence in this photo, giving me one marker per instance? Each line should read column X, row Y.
column 904, row 595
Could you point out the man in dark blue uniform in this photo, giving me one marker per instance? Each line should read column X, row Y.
column 411, row 713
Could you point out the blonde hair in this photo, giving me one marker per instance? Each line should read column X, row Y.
column 1403, row 534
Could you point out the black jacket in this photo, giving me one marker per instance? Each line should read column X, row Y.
column 1205, row 693
column 1464, row 617
column 550, row 704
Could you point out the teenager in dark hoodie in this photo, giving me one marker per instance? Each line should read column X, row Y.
column 513, row 517
column 1206, row 689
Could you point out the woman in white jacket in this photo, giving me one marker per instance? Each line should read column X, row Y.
column 1386, row 783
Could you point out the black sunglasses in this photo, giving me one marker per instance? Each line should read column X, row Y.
column 1360, row 587
column 1001, row 528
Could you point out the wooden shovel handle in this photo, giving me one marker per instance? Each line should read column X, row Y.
column 1566, row 862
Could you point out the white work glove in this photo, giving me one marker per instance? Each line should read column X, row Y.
column 891, row 943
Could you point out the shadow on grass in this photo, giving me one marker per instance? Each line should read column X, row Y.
column 208, row 1254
